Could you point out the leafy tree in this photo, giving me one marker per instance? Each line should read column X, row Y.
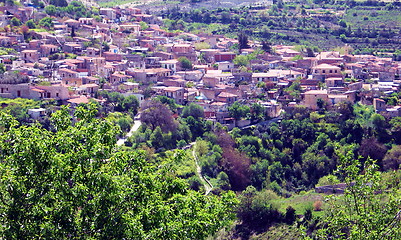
column 2, row 68
column 51, row 10
column 168, row 101
column 130, row 104
column 256, row 211
column 71, row 182
column 395, row 128
column 241, row 60
column 242, row 41
column 59, row 3
column 156, row 114
column 366, row 210
column 185, row 63
column 15, row 21
column 193, row 110
column 238, row 110
column 143, row 25
column 234, row 163
column 46, row 22
column 266, row 46
column 257, row 112
column 392, row 159
column 309, row 52
column 31, row 24
column 223, row 181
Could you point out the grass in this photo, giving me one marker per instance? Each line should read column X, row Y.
column 185, row 166
column 301, row 202
column 114, row 3
column 373, row 18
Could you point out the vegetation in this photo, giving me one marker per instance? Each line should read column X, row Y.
column 71, row 182
column 323, row 24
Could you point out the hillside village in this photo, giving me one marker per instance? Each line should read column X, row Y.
column 129, row 52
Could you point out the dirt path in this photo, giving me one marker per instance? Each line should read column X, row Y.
column 206, row 183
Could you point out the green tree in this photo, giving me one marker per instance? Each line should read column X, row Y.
column 193, row 110
column 238, row 110
column 51, row 10
column 46, row 22
column 185, row 63
column 71, row 182
column 242, row 41
column 366, row 210
column 31, row 24
column 241, row 60
column 15, row 22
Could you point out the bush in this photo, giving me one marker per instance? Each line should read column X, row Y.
column 317, row 206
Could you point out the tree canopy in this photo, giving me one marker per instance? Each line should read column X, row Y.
column 71, row 182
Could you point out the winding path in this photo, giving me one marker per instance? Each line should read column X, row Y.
column 206, row 183
column 135, row 127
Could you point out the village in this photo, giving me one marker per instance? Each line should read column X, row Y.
column 129, row 52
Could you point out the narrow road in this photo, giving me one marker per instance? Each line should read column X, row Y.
column 206, row 183
column 135, row 127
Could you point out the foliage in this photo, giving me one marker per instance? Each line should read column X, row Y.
column 120, row 103
column 238, row 110
column 124, row 121
column 156, row 114
column 367, row 210
column 30, row 24
column 193, row 110
column 243, row 41
column 185, row 63
column 46, row 22
column 18, row 108
column 15, row 21
column 71, row 183
column 241, row 60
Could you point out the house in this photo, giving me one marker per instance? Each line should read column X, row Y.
column 30, row 55
column 67, row 73
column 225, row 66
column 5, row 41
column 87, row 89
column 110, row 56
column 312, row 97
column 271, row 76
column 48, row 49
column 37, row 113
column 176, row 93
column 226, row 97
column 72, row 47
column 56, row 91
column 379, row 105
column 174, row 82
column 78, row 100
column 224, row 56
column 329, row 58
column 131, row 28
column 72, row 23
column 108, row 13
column 151, row 75
column 116, row 78
column 182, row 48
column 323, row 71
column 334, row 82
column 169, row 64
column 86, row 21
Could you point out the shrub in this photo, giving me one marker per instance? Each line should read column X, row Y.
column 317, row 205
